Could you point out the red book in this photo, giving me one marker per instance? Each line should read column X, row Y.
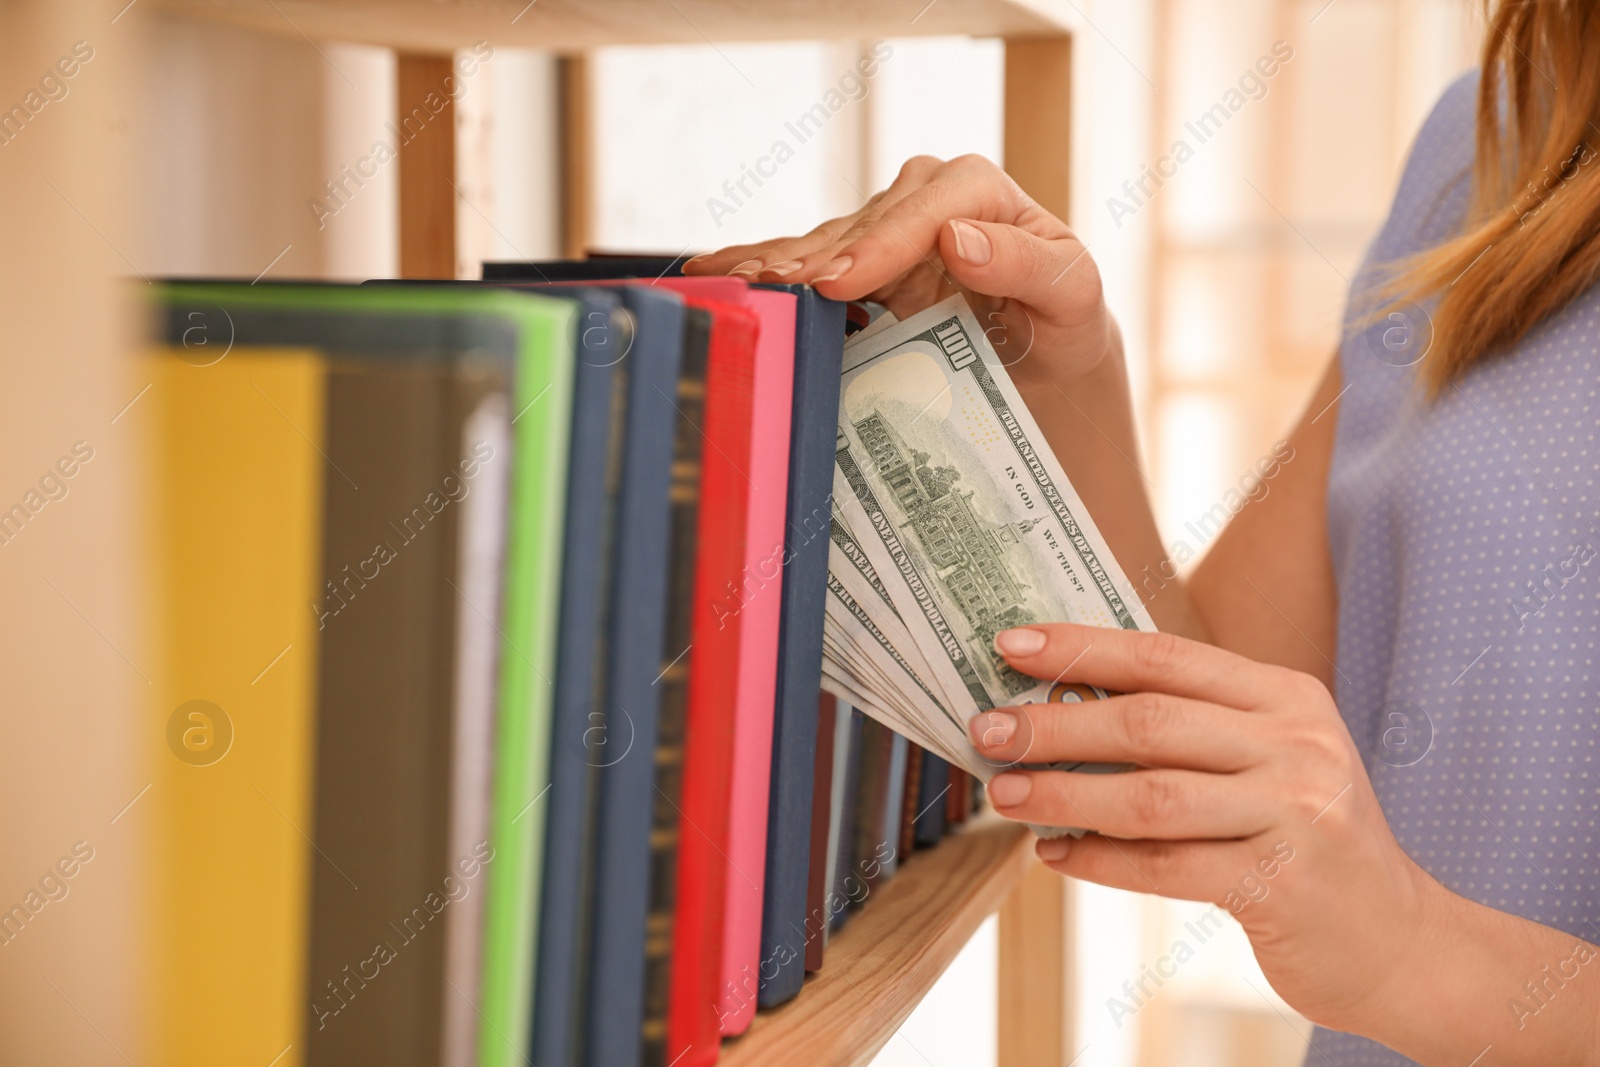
column 693, row 1030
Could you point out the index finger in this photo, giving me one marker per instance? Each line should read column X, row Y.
column 1136, row 661
column 907, row 231
column 722, row 260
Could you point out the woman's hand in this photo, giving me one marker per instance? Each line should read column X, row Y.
column 1249, row 793
column 942, row 228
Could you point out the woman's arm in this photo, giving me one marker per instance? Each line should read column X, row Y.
column 1477, row 982
column 1265, row 589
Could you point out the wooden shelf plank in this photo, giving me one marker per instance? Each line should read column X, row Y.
column 888, row 957
column 578, row 25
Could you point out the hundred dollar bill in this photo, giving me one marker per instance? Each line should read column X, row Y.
column 962, row 509
column 863, row 653
column 854, row 582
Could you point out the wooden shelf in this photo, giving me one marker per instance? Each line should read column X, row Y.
column 888, row 957
column 577, row 25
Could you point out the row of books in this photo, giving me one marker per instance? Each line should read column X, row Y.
column 489, row 669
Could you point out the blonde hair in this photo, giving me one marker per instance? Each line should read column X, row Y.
column 1531, row 242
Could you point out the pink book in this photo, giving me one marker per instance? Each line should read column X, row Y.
column 759, row 602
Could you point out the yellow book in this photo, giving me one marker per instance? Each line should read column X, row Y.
column 235, row 542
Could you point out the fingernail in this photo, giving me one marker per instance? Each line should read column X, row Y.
column 1021, row 642
column 1009, row 790
column 697, row 258
column 972, row 244
column 1053, row 849
column 993, row 728
column 749, row 266
column 835, row 268
column 788, row 266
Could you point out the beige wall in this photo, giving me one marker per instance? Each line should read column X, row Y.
column 70, row 654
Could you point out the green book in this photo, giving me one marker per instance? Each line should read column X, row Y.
column 536, row 335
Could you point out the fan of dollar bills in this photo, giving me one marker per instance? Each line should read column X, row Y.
column 952, row 521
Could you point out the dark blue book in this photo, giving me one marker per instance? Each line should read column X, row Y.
column 935, row 783
column 847, row 884
column 818, row 353
column 629, row 871
column 601, row 957
column 596, row 454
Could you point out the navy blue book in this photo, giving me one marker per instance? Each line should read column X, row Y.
column 626, row 868
column 596, row 454
column 818, row 354
column 929, row 827
column 592, row 930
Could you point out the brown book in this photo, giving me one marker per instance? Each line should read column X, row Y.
column 871, row 797
column 908, row 802
column 821, row 805
column 957, row 798
column 384, row 735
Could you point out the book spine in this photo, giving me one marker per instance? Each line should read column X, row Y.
column 821, row 795
column 819, row 346
column 480, row 557
column 957, row 799
column 871, row 797
column 759, row 598
column 600, row 393
column 931, row 793
column 894, row 801
column 228, row 461
column 908, row 800
column 622, row 749
column 383, row 745
column 847, row 888
column 531, row 606
column 706, row 774
column 687, row 450
column 842, row 720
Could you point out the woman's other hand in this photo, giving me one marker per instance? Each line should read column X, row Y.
column 1248, row 793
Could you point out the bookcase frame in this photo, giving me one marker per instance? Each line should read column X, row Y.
column 882, row 964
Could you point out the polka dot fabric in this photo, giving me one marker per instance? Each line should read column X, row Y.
column 1466, row 544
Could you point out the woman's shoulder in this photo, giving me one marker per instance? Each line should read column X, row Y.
column 1431, row 201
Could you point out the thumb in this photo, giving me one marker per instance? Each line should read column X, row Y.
column 1056, row 277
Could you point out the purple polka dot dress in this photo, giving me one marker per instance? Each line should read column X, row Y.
column 1466, row 545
